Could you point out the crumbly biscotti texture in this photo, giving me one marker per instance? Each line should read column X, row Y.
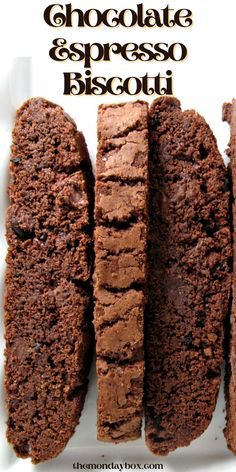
column 120, row 269
column 229, row 115
column 189, row 257
column 48, row 315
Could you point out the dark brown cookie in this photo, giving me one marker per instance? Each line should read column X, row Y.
column 48, row 316
column 229, row 115
column 189, row 257
column 120, row 271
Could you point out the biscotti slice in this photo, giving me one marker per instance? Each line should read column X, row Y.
column 229, row 115
column 48, row 315
column 120, row 269
column 189, row 257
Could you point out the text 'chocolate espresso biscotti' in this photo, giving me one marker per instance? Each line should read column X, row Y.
column 189, row 258
column 120, row 267
column 48, row 319
column 229, row 115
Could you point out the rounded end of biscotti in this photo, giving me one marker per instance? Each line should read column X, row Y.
column 38, row 105
column 158, row 449
column 167, row 103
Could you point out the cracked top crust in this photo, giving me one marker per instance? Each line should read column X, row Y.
column 118, row 120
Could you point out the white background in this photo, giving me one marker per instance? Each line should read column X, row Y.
column 203, row 81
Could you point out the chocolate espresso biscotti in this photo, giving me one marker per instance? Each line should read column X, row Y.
column 189, row 258
column 120, row 268
column 229, row 115
column 48, row 319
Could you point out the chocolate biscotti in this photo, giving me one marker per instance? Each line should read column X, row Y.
column 189, row 258
column 48, row 319
column 229, row 115
column 120, row 268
